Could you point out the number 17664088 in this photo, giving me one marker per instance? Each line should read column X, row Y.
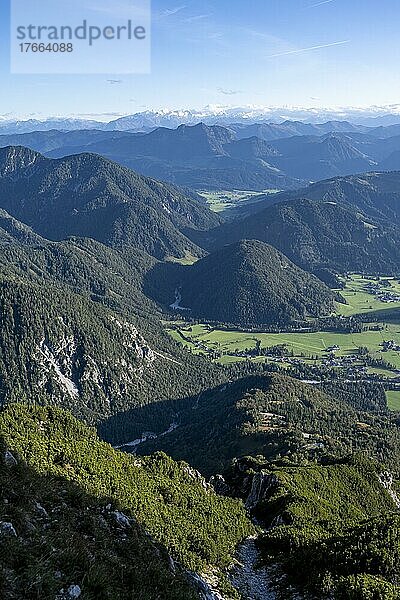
column 52, row 47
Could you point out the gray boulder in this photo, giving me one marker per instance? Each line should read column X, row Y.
column 7, row 529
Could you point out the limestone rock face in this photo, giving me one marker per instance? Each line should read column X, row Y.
column 261, row 485
column 387, row 481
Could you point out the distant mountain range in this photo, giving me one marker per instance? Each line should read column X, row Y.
column 199, row 157
column 213, row 115
column 246, row 157
column 30, row 125
column 276, row 131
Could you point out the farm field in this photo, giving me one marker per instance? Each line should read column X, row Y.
column 229, row 346
column 360, row 301
column 188, row 259
column 230, row 202
column 393, row 398
column 304, row 345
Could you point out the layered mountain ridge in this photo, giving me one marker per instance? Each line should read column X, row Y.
column 233, row 156
column 89, row 196
column 317, row 234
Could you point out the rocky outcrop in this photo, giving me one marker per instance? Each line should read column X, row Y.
column 9, row 459
column 135, row 341
column 72, row 593
column 7, row 529
column 121, row 519
column 262, row 483
column 387, row 481
column 221, row 487
column 197, row 477
column 205, row 588
column 41, row 511
column 252, row 581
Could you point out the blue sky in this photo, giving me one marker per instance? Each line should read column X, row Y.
column 232, row 52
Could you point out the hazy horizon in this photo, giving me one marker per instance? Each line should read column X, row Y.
column 354, row 114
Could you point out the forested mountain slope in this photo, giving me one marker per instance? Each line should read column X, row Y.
column 89, row 196
column 106, row 522
column 314, row 158
column 376, row 195
column 78, row 331
column 340, row 518
column 248, row 283
column 318, row 234
column 274, row 416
